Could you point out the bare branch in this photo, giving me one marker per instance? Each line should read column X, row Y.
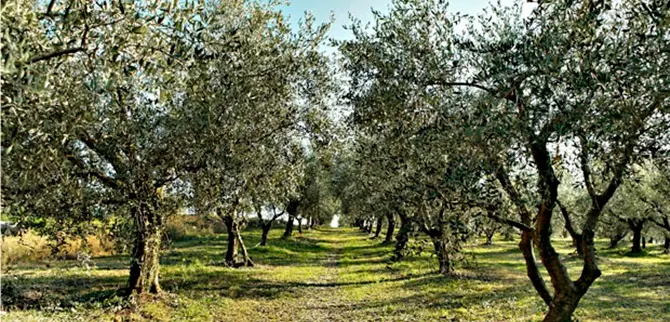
column 568, row 222
column 586, row 168
column 55, row 54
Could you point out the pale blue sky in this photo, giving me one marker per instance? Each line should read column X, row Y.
column 321, row 10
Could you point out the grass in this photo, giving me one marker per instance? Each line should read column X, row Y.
column 337, row 275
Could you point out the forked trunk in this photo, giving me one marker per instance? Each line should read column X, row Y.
column 292, row 210
column 562, row 308
column 389, row 229
column 144, row 267
column 378, row 229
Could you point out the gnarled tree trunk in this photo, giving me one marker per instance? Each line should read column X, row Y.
column 402, row 237
column 144, row 267
column 442, row 253
column 232, row 247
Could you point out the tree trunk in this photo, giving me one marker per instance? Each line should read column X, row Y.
column 644, row 242
column 144, row 267
column 378, row 229
column 442, row 254
column 489, row 237
column 403, row 236
column 300, row 225
column 389, row 229
column 508, row 234
column 232, row 248
column 562, row 307
column 312, row 222
column 615, row 239
column 264, row 235
column 577, row 242
column 666, row 245
column 576, row 237
column 246, row 259
column 292, row 210
column 289, row 228
column 637, row 238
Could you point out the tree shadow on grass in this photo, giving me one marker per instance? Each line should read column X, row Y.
column 65, row 291
column 257, row 285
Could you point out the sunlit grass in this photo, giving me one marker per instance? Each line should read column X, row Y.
column 341, row 275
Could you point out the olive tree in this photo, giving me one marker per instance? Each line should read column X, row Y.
column 257, row 93
column 87, row 92
column 586, row 74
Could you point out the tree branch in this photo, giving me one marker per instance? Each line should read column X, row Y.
column 586, row 168
column 54, row 54
column 105, row 179
column 665, row 224
column 568, row 222
column 503, row 178
column 510, row 222
column 467, row 84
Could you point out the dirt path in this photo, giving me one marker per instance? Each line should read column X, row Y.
column 325, row 299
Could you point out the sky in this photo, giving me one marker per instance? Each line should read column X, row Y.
column 321, row 9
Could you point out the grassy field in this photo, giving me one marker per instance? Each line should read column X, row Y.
column 336, row 275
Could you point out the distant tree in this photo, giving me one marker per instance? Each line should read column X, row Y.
column 248, row 112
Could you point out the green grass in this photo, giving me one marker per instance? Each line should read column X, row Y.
column 338, row 275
